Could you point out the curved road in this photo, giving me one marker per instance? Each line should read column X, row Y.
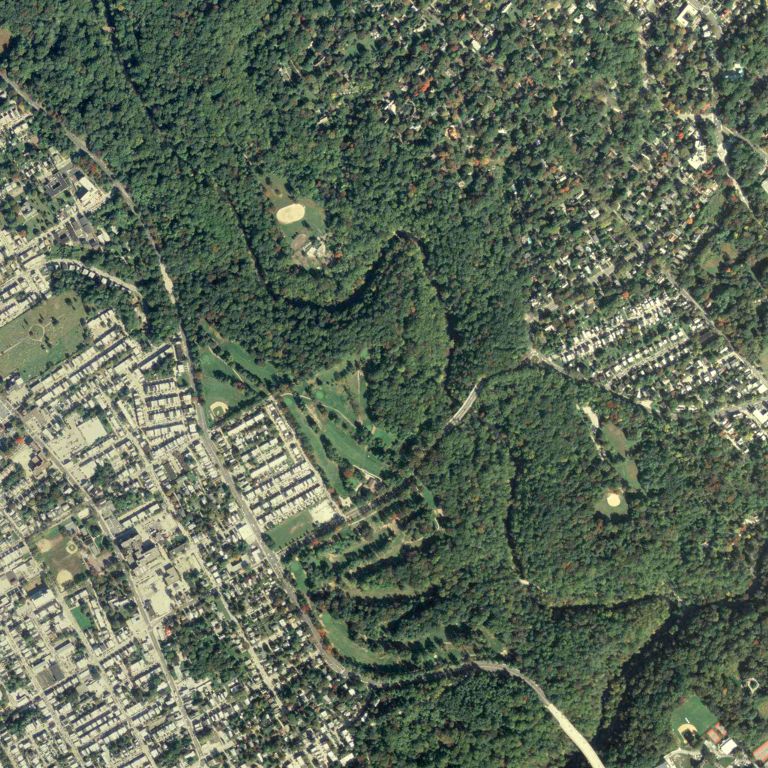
column 124, row 284
column 567, row 727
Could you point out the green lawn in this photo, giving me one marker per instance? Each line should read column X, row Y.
column 761, row 704
column 312, row 439
column 299, row 575
column 289, row 530
column 346, row 445
column 42, row 337
column 346, row 396
column 276, row 191
column 329, row 393
column 605, row 508
column 338, row 636
column 695, row 712
column 82, row 618
column 627, row 470
column 214, row 390
column 265, row 372
column 59, row 553
column 429, row 497
column 615, row 437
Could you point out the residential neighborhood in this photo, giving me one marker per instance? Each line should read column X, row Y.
column 124, row 553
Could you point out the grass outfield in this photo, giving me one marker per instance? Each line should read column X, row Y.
column 214, row 390
column 289, row 530
column 695, row 712
column 605, row 508
column 58, row 553
column 616, row 438
column 338, row 636
column 275, row 190
column 628, row 471
column 42, row 337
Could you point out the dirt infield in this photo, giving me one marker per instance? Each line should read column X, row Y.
column 613, row 500
column 290, row 214
column 219, row 409
column 63, row 577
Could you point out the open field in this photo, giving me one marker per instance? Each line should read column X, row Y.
column 612, row 502
column 299, row 575
column 764, row 359
column 42, row 336
column 265, row 372
column 615, row 437
column 312, row 439
column 346, row 445
column 338, row 636
column 346, row 395
column 82, row 619
column 694, row 712
column 336, row 404
column 216, row 392
column 628, row 472
column 287, row 209
column 60, row 554
column 289, row 530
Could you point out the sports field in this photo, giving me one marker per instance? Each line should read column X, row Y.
column 60, row 554
column 291, row 529
column 42, row 336
column 612, row 502
column 693, row 711
column 219, row 395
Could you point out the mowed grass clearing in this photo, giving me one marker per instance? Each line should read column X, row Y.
column 265, row 372
column 214, row 390
column 346, row 395
column 329, row 468
column 693, row 711
column 331, row 406
column 628, row 472
column 299, row 575
column 291, row 529
column 42, row 337
column 338, row 636
column 82, row 618
column 616, row 438
column 612, row 502
column 313, row 221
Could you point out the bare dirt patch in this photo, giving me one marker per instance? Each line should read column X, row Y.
column 5, row 38
column 290, row 214
column 613, row 500
column 63, row 577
